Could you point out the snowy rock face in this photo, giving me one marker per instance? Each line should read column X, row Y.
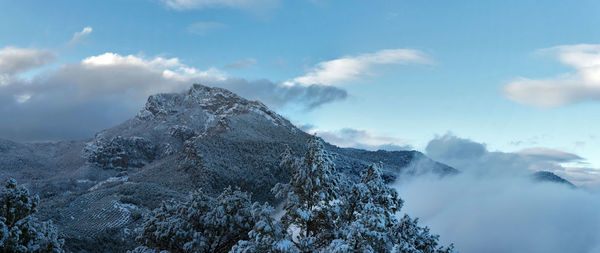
column 213, row 106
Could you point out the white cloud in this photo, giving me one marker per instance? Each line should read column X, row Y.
column 76, row 100
column 204, row 28
column 78, row 36
column 351, row 68
column 581, row 85
column 362, row 139
column 234, row 4
column 15, row 60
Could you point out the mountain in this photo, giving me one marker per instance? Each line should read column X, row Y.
column 96, row 190
column 547, row 176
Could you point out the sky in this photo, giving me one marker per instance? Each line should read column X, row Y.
column 512, row 78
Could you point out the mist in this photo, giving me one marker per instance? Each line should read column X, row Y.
column 492, row 207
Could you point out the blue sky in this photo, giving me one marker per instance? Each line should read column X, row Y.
column 514, row 75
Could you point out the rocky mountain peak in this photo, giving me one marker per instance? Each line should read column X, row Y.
column 218, row 103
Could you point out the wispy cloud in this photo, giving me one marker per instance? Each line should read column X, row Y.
column 351, row 68
column 204, row 28
column 583, row 84
column 362, row 139
column 251, row 5
column 246, row 63
column 78, row 36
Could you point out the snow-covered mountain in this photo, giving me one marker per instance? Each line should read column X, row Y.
column 96, row 190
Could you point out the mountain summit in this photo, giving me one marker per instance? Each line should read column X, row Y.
column 96, row 190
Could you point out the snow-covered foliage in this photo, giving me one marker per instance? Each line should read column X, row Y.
column 368, row 220
column 201, row 223
column 323, row 211
column 20, row 231
column 309, row 196
column 267, row 235
column 120, row 152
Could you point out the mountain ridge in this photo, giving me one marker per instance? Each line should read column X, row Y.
column 95, row 190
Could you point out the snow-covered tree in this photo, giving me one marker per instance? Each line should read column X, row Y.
column 415, row 239
column 323, row 211
column 200, row 224
column 266, row 236
column 369, row 223
column 309, row 197
column 20, row 231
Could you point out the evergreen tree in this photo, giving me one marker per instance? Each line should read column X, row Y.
column 199, row 224
column 266, row 235
column 20, row 231
column 309, row 197
column 368, row 220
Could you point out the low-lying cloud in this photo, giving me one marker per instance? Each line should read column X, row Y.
column 493, row 205
column 467, row 155
column 78, row 99
column 583, row 84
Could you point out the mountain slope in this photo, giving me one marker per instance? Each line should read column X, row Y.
column 96, row 190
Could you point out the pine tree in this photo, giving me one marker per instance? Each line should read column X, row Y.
column 20, row 230
column 308, row 198
column 368, row 215
column 266, row 236
column 200, row 223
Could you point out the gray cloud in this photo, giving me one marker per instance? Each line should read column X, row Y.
column 362, row 139
column 18, row 60
column 76, row 100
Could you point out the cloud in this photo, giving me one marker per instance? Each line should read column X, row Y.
column 351, row 68
column 495, row 206
column 467, row 155
column 505, row 213
column 76, row 100
column 549, row 154
column 15, row 60
column 204, row 28
column 78, row 36
column 252, row 5
column 583, row 84
column 362, row 139
column 246, row 63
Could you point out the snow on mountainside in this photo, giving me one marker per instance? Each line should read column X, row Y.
column 96, row 190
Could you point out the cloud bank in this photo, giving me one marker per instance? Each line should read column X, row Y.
column 583, row 84
column 352, row 68
column 495, row 206
column 78, row 99
column 467, row 155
